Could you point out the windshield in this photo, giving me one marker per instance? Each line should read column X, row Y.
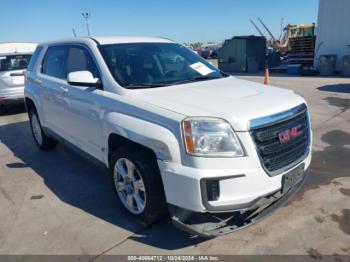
column 142, row 65
column 14, row 62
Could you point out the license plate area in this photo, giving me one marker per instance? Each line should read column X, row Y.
column 292, row 178
column 18, row 80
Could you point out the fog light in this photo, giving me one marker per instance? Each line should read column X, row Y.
column 213, row 190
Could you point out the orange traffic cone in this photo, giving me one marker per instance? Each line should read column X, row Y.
column 266, row 77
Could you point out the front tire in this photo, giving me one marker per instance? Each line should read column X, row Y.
column 138, row 183
column 41, row 139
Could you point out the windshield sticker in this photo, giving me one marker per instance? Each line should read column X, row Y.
column 201, row 68
column 2, row 57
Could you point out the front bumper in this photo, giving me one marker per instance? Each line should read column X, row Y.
column 216, row 224
column 242, row 181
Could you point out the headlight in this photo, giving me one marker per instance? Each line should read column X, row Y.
column 210, row 137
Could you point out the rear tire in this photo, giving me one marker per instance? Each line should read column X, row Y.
column 41, row 139
column 138, row 183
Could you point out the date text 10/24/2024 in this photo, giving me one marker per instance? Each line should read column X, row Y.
column 173, row 258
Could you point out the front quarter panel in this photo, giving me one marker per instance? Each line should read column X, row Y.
column 151, row 135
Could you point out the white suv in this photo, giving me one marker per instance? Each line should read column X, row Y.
column 14, row 59
column 177, row 134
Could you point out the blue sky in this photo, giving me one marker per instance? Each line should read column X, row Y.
column 181, row 20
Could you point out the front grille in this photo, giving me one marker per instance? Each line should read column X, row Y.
column 275, row 156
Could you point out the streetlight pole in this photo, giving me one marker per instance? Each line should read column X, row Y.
column 87, row 16
column 282, row 20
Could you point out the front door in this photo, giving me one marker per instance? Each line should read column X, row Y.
column 54, row 88
column 84, row 111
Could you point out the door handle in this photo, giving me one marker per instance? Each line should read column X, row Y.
column 63, row 89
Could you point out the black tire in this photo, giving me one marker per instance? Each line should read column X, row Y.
column 146, row 164
column 2, row 110
column 46, row 143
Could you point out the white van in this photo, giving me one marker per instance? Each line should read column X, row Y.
column 14, row 59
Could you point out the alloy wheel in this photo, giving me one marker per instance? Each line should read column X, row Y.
column 130, row 186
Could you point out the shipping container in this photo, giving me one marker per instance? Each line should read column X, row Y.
column 233, row 55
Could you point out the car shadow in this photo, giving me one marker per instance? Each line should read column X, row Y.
column 342, row 103
column 14, row 109
column 339, row 88
column 77, row 181
column 328, row 164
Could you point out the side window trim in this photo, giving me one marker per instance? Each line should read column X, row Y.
column 34, row 59
column 44, row 59
column 67, row 46
column 87, row 49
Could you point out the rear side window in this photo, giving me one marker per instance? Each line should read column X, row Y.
column 54, row 62
column 79, row 59
column 34, row 58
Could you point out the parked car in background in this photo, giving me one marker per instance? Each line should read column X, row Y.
column 178, row 135
column 205, row 53
column 14, row 60
column 190, row 47
column 214, row 53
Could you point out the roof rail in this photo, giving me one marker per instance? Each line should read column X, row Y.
column 93, row 39
column 166, row 38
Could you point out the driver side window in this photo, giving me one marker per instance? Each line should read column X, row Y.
column 79, row 59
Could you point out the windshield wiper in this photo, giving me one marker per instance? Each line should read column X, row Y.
column 194, row 79
column 190, row 80
column 144, row 86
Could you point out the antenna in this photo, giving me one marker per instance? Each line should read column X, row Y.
column 75, row 35
column 257, row 28
column 87, row 16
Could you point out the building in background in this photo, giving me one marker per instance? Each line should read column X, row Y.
column 333, row 30
column 242, row 54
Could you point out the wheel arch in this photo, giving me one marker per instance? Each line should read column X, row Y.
column 116, row 141
column 29, row 103
column 32, row 101
column 120, row 129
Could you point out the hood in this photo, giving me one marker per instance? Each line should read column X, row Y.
column 235, row 100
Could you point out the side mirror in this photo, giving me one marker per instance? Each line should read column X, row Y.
column 83, row 78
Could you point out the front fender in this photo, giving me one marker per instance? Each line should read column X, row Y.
column 158, row 138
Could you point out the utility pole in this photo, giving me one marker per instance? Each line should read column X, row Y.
column 87, row 16
column 282, row 20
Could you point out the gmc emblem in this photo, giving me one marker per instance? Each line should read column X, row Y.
column 287, row 135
